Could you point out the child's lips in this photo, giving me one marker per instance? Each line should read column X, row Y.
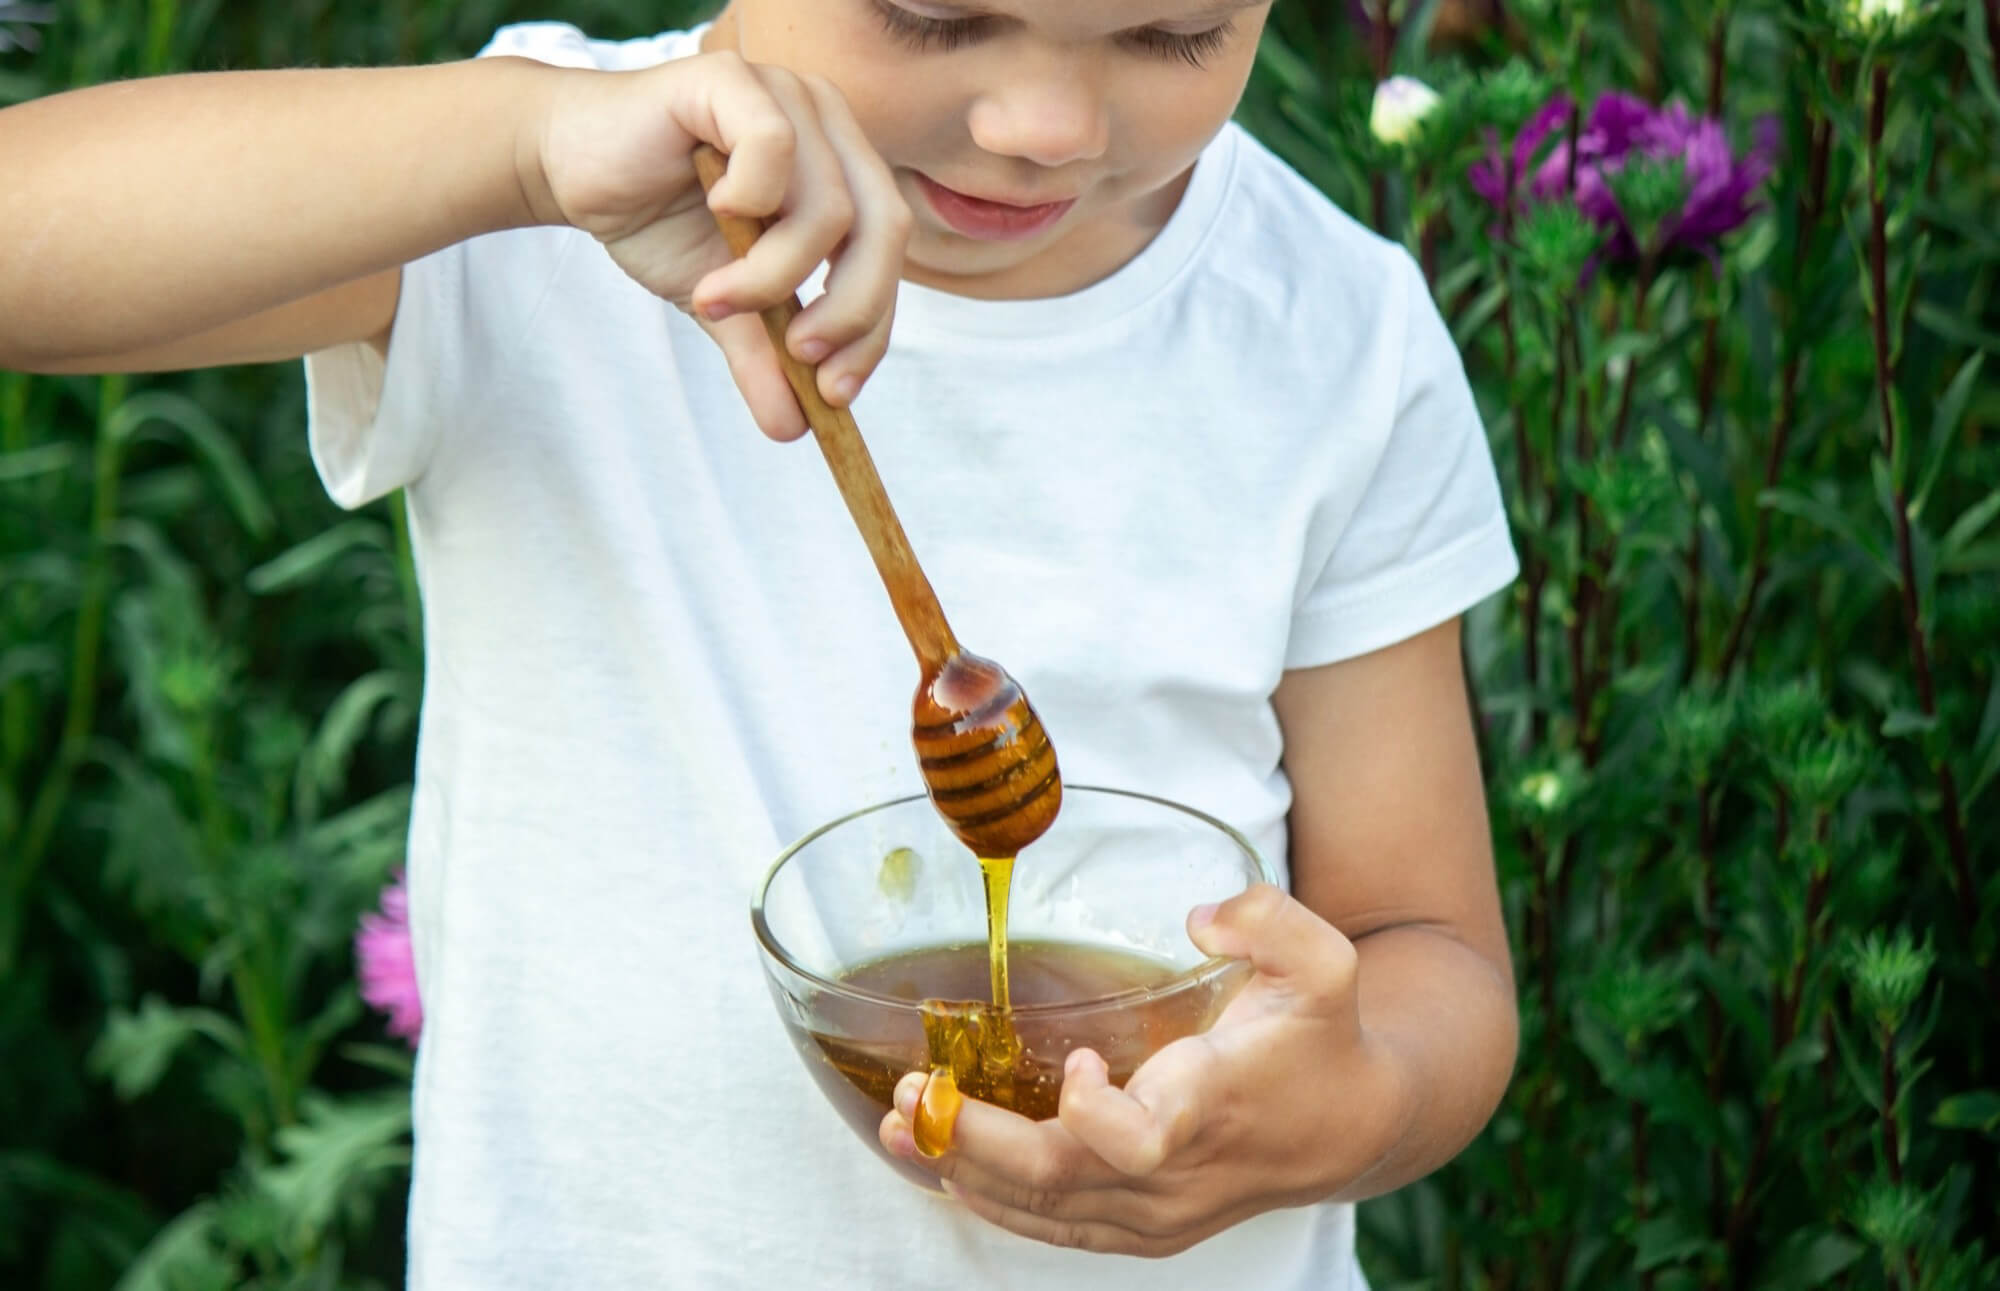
column 989, row 220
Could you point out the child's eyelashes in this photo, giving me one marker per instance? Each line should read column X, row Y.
column 923, row 33
column 1191, row 48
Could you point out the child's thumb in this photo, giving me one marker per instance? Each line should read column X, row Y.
column 1283, row 941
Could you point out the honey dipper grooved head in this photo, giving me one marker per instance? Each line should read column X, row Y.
column 986, row 760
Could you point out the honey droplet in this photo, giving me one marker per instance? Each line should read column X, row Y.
column 937, row 1113
column 897, row 878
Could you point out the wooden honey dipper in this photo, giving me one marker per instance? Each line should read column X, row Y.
column 986, row 761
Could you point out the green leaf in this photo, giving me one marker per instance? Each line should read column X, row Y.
column 210, row 442
column 1945, row 420
column 1670, row 1239
column 1979, row 558
column 33, row 659
column 183, row 1256
column 1977, row 1109
column 1458, row 279
column 341, row 1012
column 1829, row 518
column 323, row 768
column 384, row 816
column 1953, row 328
column 309, row 558
column 336, row 1150
column 1474, row 319
column 136, row 1047
column 1979, row 40
column 1276, row 59
column 1970, row 523
column 43, row 459
column 1810, row 1259
column 380, row 1057
column 1986, row 746
column 1906, row 721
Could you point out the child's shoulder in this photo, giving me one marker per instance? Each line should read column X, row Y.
column 562, row 45
column 1278, row 232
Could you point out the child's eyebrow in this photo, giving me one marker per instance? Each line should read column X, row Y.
column 1222, row 9
column 1211, row 12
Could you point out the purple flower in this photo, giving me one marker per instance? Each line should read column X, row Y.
column 386, row 966
column 1621, row 131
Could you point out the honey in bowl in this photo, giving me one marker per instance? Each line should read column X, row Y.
column 1012, row 1058
column 873, row 932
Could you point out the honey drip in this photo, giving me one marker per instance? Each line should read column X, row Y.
column 971, row 1040
column 997, row 873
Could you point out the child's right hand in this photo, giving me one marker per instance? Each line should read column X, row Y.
column 613, row 157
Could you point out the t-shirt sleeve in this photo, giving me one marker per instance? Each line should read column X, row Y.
column 373, row 425
column 1428, row 539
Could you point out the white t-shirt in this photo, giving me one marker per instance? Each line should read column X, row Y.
column 657, row 652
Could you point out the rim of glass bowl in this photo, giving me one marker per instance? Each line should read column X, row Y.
column 1183, row 980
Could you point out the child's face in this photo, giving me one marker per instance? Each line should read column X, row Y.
column 1102, row 104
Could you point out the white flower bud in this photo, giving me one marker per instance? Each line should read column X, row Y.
column 1401, row 105
column 1870, row 17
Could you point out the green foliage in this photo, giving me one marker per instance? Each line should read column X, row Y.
column 208, row 690
column 1741, row 715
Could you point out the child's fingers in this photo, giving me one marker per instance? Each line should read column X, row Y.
column 746, row 346
column 738, row 114
column 1289, row 946
column 846, row 330
column 816, row 215
column 1143, row 1126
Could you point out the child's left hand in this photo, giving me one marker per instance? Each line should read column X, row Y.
column 1286, row 1101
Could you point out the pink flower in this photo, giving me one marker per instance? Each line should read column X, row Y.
column 386, row 966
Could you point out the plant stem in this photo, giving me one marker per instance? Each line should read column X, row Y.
column 1711, row 940
column 1381, row 48
column 1532, row 569
column 157, row 55
column 1892, row 1156
column 1603, row 642
column 1892, row 1135
column 1885, row 379
column 1812, row 204
column 1786, row 1009
column 1639, row 1184
column 406, row 569
column 17, row 721
column 1708, row 377
column 1718, row 59
column 80, row 717
column 1993, row 35
column 1622, row 421
column 1586, row 583
column 1536, row 567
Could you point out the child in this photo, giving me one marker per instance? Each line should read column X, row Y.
column 1185, row 447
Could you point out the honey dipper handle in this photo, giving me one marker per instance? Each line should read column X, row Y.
column 839, row 440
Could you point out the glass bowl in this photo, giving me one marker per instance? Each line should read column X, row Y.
column 866, row 918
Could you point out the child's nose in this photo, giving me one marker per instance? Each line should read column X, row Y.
column 1051, row 119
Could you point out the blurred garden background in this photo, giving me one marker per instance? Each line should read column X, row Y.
column 1725, row 277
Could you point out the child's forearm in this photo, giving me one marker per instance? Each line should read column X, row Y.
column 137, row 212
column 1448, row 1015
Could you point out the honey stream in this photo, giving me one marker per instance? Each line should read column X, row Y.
column 971, row 1036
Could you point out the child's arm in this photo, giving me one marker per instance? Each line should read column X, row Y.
column 234, row 217
column 1350, row 1064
